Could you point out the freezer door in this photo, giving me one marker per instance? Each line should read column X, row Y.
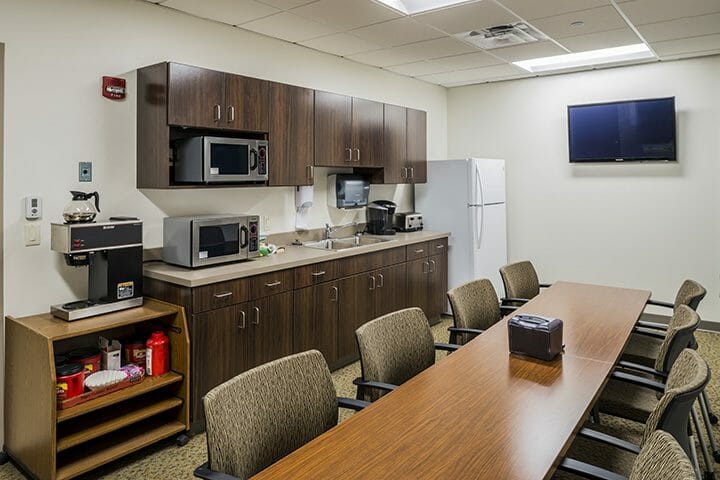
column 489, row 243
column 489, row 177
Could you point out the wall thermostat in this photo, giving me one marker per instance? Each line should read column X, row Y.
column 33, row 208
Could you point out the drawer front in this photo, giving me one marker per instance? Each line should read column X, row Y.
column 438, row 246
column 315, row 273
column 370, row 261
column 219, row 295
column 271, row 283
column 417, row 250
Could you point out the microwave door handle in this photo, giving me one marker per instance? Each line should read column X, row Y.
column 253, row 159
column 243, row 237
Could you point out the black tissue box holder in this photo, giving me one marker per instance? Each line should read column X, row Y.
column 535, row 336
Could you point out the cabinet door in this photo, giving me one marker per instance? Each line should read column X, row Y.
column 417, row 145
column 356, row 308
column 315, row 319
column 395, row 145
column 195, row 96
column 219, row 351
column 417, row 284
column 367, row 132
column 333, row 128
column 437, row 285
column 271, row 327
column 291, row 135
column 390, row 293
column 246, row 103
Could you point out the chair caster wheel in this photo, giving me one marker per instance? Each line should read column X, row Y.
column 4, row 458
column 716, row 456
column 182, row 440
column 709, row 476
column 713, row 419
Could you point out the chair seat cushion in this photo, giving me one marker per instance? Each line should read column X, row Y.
column 642, row 349
column 625, row 400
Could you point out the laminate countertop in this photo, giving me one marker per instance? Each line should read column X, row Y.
column 294, row 256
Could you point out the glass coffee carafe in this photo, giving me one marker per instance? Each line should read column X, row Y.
column 81, row 209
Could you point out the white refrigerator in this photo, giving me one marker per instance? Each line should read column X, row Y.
column 467, row 198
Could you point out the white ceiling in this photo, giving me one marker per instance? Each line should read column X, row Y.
column 422, row 46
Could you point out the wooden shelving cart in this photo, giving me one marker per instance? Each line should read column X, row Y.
column 54, row 444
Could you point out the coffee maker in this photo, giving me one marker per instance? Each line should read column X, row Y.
column 380, row 217
column 112, row 251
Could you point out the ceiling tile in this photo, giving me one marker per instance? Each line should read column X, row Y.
column 705, row 43
column 532, row 9
column 641, row 12
column 342, row 44
column 346, row 14
column 470, row 60
column 287, row 26
column 598, row 40
column 286, row 4
column 528, row 50
column 441, row 47
column 595, row 20
column 398, row 32
column 681, row 28
column 386, row 57
column 475, row 74
column 468, row 16
column 226, row 11
column 421, row 68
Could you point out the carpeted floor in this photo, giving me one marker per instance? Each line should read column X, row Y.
column 167, row 461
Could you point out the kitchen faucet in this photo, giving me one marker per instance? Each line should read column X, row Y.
column 329, row 231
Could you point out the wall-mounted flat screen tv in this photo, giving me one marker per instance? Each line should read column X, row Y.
column 636, row 130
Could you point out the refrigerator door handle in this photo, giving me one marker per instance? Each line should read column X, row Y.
column 482, row 202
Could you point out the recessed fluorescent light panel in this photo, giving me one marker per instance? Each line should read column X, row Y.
column 637, row 51
column 409, row 7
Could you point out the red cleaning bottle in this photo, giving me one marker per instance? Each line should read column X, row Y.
column 157, row 356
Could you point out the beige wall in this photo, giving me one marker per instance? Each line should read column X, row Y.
column 635, row 225
column 57, row 53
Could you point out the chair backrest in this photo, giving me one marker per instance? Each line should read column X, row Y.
column 395, row 347
column 520, row 280
column 688, row 376
column 679, row 336
column 662, row 458
column 262, row 415
column 475, row 304
column 690, row 294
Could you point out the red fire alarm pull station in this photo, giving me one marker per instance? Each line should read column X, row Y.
column 113, row 88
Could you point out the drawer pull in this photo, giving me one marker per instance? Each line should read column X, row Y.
column 242, row 317
column 439, row 247
column 273, row 284
column 419, row 250
column 223, row 295
column 257, row 315
column 318, row 274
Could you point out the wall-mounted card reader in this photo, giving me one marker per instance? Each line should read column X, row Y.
column 33, row 208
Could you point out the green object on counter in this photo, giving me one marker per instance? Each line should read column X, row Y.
column 264, row 251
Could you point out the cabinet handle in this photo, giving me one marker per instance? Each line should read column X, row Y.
column 358, row 154
column 243, row 316
column 412, row 172
column 257, row 315
column 373, row 283
column 231, row 114
column 273, row 284
column 223, row 295
column 419, row 250
column 432, row 266
column 404, row 173
column 337, row 294
column 425, row 264
column 382, row 280
column 349, row 157
column 310, row 172
column 318, row 274
column 217, row 112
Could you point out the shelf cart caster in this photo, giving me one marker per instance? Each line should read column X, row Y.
column 716, row 456
column 3, row 458
column 713, row 418
column 709, row 476
column 182, row 440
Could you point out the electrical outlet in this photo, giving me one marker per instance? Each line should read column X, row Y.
column 32, row 234
column 85, row 171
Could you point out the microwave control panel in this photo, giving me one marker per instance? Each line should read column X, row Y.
column 253, row 233
column 262, row 160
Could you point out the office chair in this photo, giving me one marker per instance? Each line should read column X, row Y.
column 261, row 415
column 521, row 282
column 688, row 377
column 393, row 349
column 475, row 307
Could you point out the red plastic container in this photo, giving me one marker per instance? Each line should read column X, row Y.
column 89, row 357
column 70, row 380
column 157, row 355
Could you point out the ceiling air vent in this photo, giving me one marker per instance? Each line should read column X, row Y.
column 502, row 36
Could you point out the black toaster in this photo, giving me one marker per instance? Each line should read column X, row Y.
column 535, row 336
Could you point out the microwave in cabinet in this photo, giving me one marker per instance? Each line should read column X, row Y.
column 220, row 160
column 203, row 240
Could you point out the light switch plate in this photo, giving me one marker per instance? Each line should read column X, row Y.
column 85, row 171
column 32, row 234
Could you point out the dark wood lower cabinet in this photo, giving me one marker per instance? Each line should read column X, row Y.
column 315, row 322
column 437, row 285
column 270, row 321
column 390, row 293
column 357, row 306
column 417, row 284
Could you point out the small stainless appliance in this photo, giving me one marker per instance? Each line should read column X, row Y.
column 380, row 217
column 220, row 160
column 112, row 251
column 408, row 222
column 203, row 240
column 347, row 191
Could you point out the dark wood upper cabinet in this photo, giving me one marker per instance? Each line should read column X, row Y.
column 196, row 96
column 316, row 320
column 417, row 145
column 246, row 103
column 367, row 133
column 291, row 135
column 395, row 144
column 333, row 130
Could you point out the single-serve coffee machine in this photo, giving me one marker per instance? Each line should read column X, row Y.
column 380, row 217
column 112, row 251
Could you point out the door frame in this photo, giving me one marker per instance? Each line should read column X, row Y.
column 2, row 247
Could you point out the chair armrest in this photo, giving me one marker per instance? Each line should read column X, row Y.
column 388, row 387
column 545, row 285
column 510, row 308
column 203, row 471
column 351, row 403
column 448, row 347
column 475, row 331
column 655, row 325
column 658, row 303
column 609, row 439
column 639, row 381
column 588, row 471
column 514, row 300
column 649, row 332
column 641, row 368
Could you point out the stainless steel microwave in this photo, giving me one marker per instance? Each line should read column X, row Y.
column 210, row 239
column 220, row 160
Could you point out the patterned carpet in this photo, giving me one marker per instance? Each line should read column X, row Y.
column 167, row 461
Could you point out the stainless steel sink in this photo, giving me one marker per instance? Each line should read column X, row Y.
column 345, row 243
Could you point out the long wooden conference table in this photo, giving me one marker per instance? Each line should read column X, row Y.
column 482, row 413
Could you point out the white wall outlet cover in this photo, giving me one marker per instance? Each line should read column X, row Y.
column 32, row 234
